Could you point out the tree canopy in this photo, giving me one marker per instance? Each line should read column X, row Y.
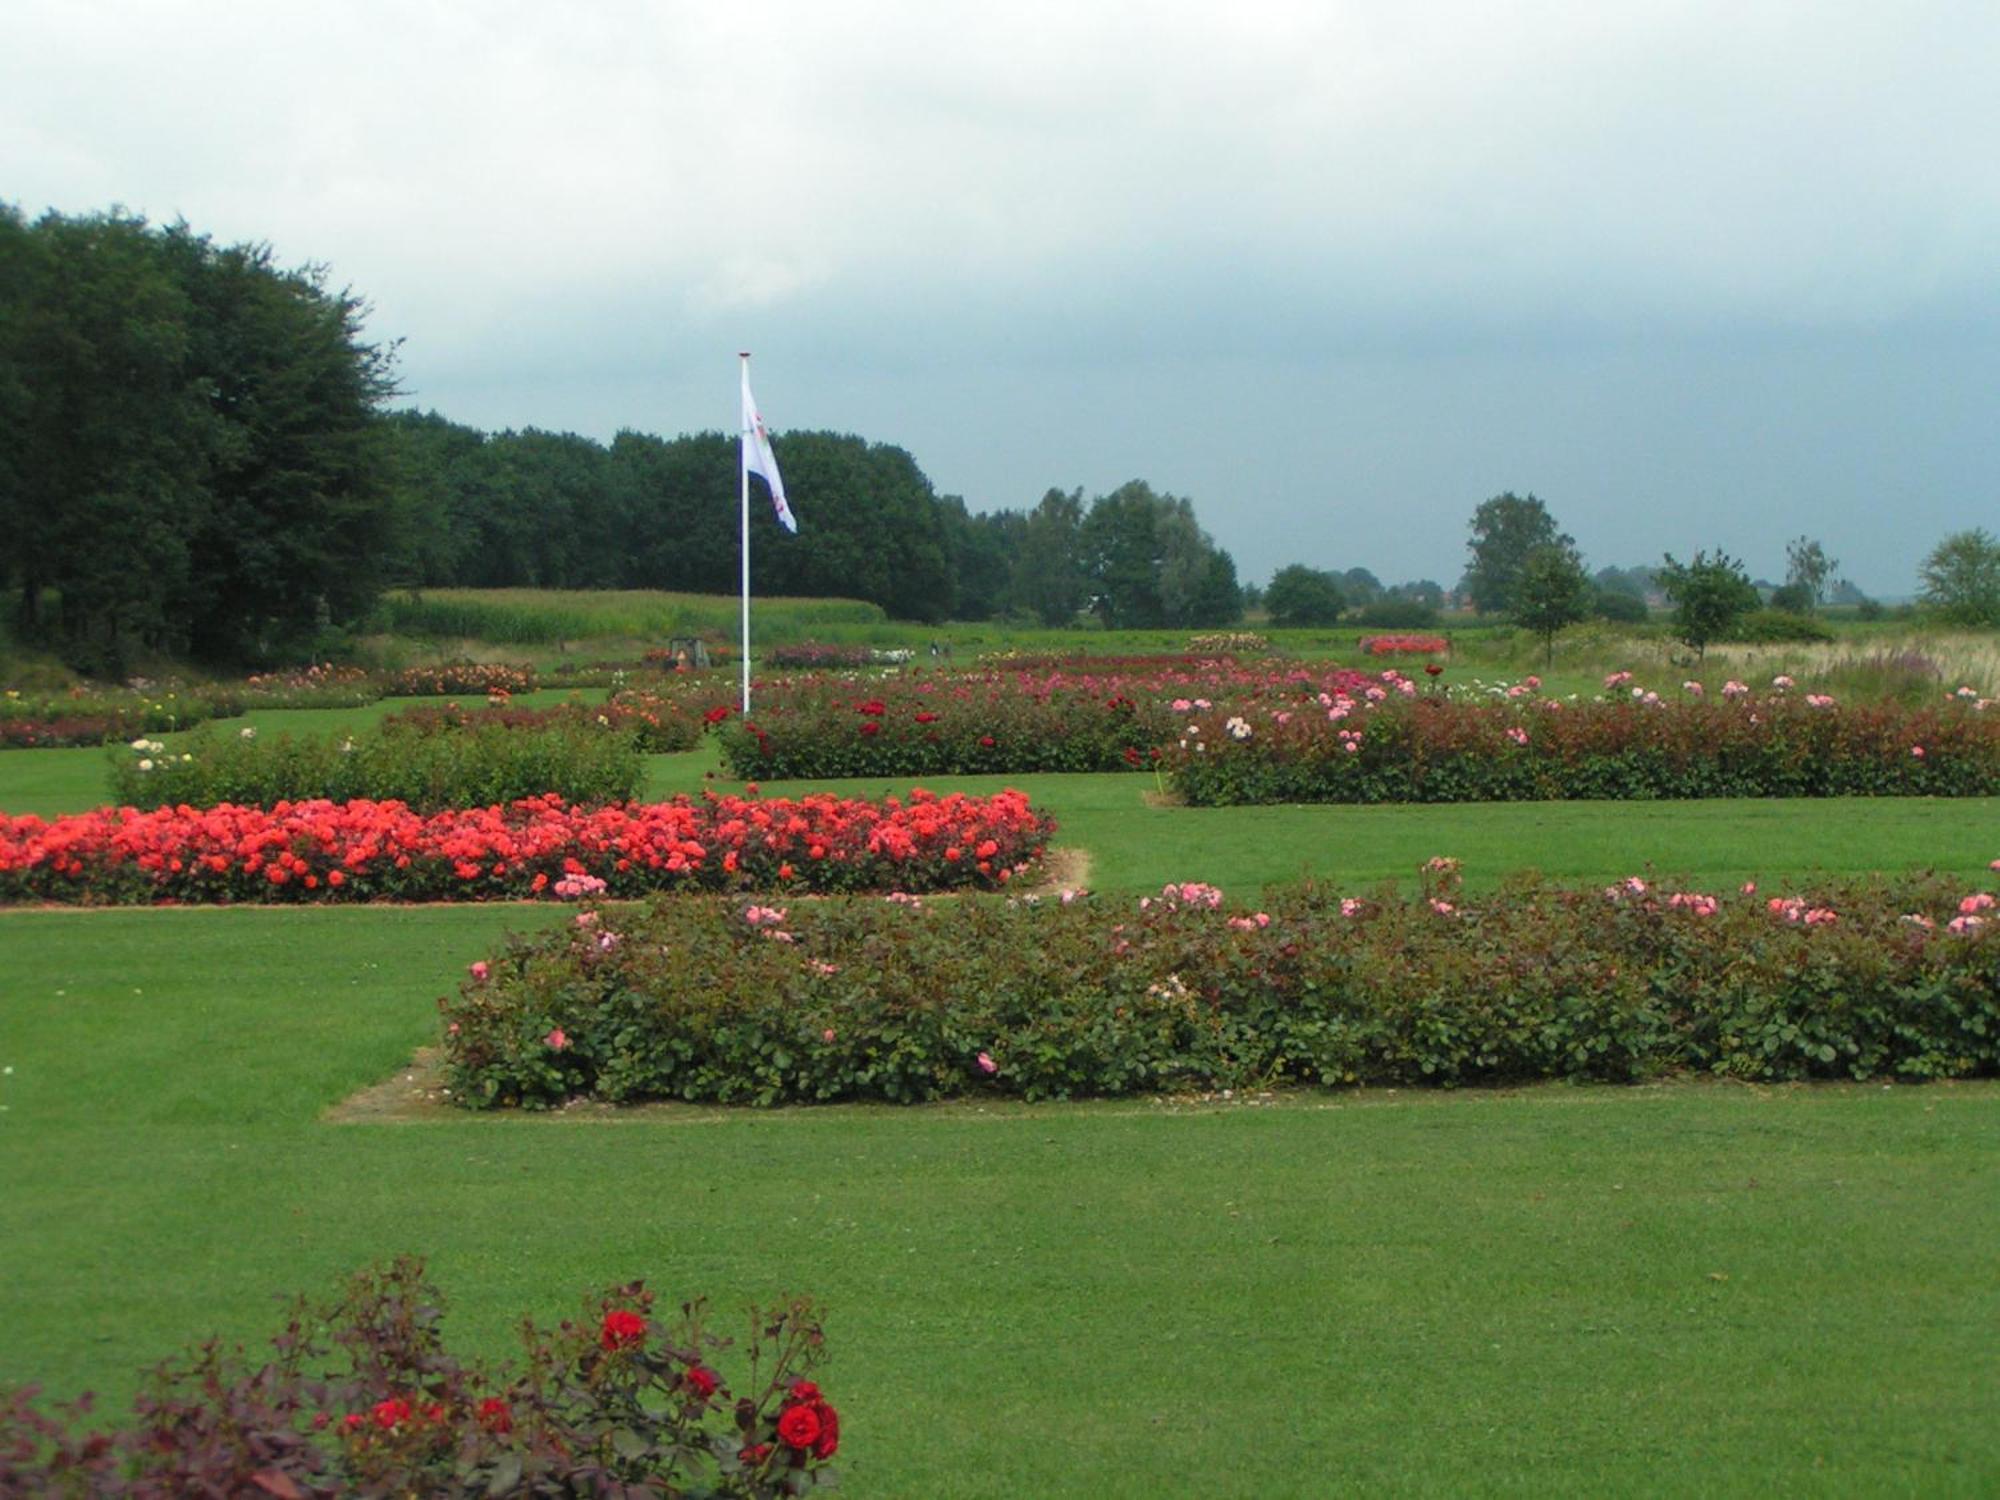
column 194, row 458
column 1505, row 530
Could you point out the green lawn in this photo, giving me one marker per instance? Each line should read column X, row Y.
column 1686, row 1289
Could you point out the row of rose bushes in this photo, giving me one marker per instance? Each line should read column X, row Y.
column 82, row 717
column 906, row 1000
column 536, row 848
column 479, row 764
column 361, row 1396
column 1424, row 748
column 969, row 723
column 659, row 723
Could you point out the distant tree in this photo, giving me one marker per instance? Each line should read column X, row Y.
column 1709, row 594
column 1961, row 579
column 1793, row 598
column 1359, row 586
column 1505, row 529
column 1617, row 606
column 1552, row 592
column 1299, row 595
column 1636, row 582
column 1808, row 571
column 1425, row 591
column 1049, row 576
column 1150, row 564
column 1253, row 597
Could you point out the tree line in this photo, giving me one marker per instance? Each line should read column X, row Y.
column 198, row 457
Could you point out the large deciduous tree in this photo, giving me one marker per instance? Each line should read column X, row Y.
column 194, row 453
column 1505, row 530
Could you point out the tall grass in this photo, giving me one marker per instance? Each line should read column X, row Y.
column 545, row 616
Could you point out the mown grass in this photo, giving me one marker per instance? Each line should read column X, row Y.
column 1685, row 1289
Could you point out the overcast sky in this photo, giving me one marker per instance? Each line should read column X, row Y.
column 1697, row 274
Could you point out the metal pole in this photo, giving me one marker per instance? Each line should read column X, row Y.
column 743, row 489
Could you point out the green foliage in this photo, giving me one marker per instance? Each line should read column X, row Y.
column 195, row 462
column 1074, row 998
column 1433, row 749
column 1151, row 566
column 1618, row 607
column 1551, row 592
column 1396, row 614
column 1775, row 625
column 1299, row 595
column 1710, row 595
column 1505, row 531
column 481, row 765
column 361, row 1397
column 1808, row 573
column 1961, row 579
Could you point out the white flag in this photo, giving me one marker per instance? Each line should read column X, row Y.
column 759, row 459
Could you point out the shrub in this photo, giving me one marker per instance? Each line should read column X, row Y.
column 1410, row 748
column 360, row 1396
column 1405, row 645
column 458, row 677
column 360, row 851
column 99, row 716
column 1063, row 718
column 657, row 723
column 1762, row 626
column 813, row 656
column 906, row 1000
column 1396, row 614
column 477, row 765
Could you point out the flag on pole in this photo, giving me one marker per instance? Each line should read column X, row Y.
column 758, row 458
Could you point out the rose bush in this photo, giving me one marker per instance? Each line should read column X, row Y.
column 1398, row 746
column 477, row 765
column 361, row 1397
column 1078, row 717
column 903, row 999
column 537, row 847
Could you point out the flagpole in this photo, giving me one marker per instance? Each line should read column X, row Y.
column 743, row 487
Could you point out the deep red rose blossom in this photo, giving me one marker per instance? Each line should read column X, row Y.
column 496, row 1415
column 622, row 1330
column 701, row 1380
column 799, row 1426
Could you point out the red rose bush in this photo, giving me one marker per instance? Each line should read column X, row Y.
column 361, row 1397
column 538, row 847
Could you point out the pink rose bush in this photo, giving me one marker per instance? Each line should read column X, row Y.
column 1382, row 744
column 734, row 1002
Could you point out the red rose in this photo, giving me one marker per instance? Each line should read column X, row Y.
column 389, row 1413
column 829, row 1430
column 701, row 1381
column 755, row 1456
column 622, row 1330
column 804, row 1390
column 799, row 1426
column 496, row 1415
column 871, row 727
column 986, row 740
